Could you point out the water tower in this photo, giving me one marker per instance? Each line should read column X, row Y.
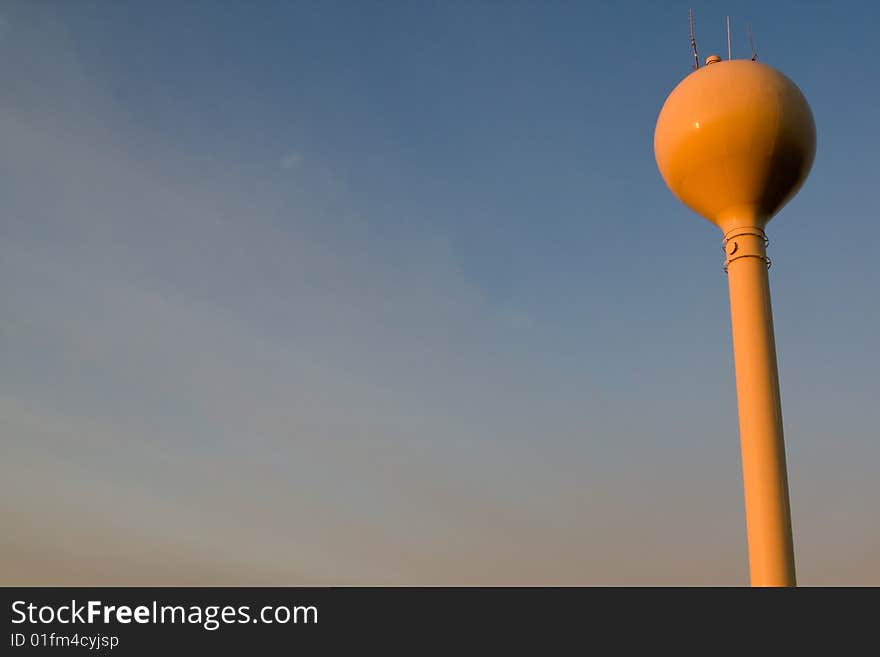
column 734, row 142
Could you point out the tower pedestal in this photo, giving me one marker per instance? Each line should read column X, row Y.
column 765, row 481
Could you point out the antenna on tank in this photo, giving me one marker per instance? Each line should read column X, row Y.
column 693, row 40
column 729, row 56
column 752, row 45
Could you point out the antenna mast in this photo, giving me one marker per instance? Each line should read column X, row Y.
column 729, row 56
column 752, row 44
column 693, row 40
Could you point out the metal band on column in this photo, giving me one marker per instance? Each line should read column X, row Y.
column 749, row 242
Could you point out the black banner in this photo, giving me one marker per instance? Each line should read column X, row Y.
column 124, row 621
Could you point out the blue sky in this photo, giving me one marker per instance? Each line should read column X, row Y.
column 394, row 293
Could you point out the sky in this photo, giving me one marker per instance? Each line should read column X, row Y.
column 343, row 293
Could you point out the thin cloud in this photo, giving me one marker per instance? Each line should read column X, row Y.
column 291, row 161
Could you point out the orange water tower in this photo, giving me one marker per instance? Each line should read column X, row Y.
column 734, row 142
